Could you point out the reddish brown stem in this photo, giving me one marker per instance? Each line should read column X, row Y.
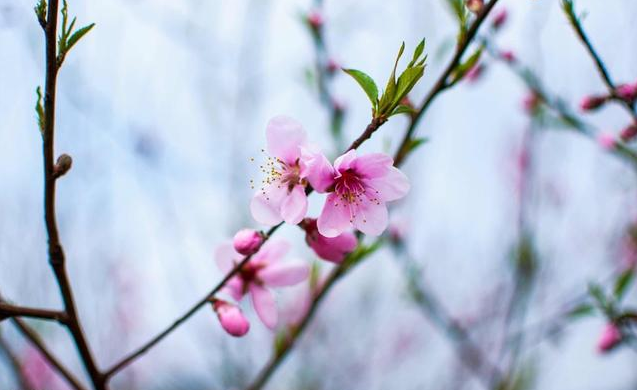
column 7, row 311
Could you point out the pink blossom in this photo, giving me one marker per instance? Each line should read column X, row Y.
column 629, row 132
column 475, row 73
column 263, row 270
column 358, row 189
column 282, row 195
column 592, row 102
column 247, row 241
column 627, row 92
column 500, row 18
column 611, row 336
column 508, row 56
column 231, row 318
column 331, row 249
column 606, row 141
column 315, row 19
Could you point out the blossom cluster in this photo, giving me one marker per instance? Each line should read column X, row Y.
column 357, row 190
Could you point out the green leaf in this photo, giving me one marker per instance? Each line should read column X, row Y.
column 406, row 82
column 367, row 83
column 597, row 292
column 415, row 143
column 390, row 89
column 39, row 110
column 402, row 109
column 622, row 283
column 40, row 12
column 73, row 39
column 462, row 69
column 419, row 49
column 582, row 310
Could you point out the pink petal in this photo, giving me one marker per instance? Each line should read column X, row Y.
column 394, row 185
column 371, row 217
column 235, row 288
column 266, row 208
column 294, row 206
column 335, row 217
column 272, row 251
column 284, row 136
column 231, row 318
column 372, row 165
column 317, row 170
column 264, row 305
column 334, row 249
column 344, row 162
column 226, row 257
column 281, row 275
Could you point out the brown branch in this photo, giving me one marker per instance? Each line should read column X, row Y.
column 39, row 344
column 14, row 362
column 442, row 83
column 7, row 311
column 55, row 250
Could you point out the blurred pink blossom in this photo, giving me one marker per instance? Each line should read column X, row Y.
column 475, row 73
column 331, row 249
column 262, row 271
column 611, row 336
column 606, row 140
column 231, row 318
column 627, row 92
column 247, row 241
column 508, row 56
column 358, row 189
column 36, row 370
column 475, row 6
column 592, row 102
column 500, row 18
column 531, row 102
column 282, row 196
column 315, row 19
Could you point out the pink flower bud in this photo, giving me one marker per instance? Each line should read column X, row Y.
column 592, row 102
column 499, row 19
column 629, row 132
column 475, row 6
column 606, row 141
column 331, row 249
column 627, row 92
column 475, row 73
column 231, row 318
column 332, row 66
column 611, row 337
column 315, row 19
column 508, row 56
column 531, row 102
column 247, row 241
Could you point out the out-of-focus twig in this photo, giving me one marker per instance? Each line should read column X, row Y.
column 14, row 362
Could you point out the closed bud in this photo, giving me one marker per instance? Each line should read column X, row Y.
column 247, row 241
column 610, row 338
column 629, row 132
column 590, row 103
column 475, row 6
column 627, row 92
column 231, row 318
column 607, row 141
column 508, row 56
column 332, row 66
column 499, row 19
column 62, row 165
column 315, row 20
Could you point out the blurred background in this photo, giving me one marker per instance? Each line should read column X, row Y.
column 162, row 106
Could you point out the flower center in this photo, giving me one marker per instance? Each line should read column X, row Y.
column 349, row 187
column 279, row 173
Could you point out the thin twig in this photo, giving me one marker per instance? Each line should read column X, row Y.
column 39, row 344
column 442, row 82
column 55, row 250
column 7, row 311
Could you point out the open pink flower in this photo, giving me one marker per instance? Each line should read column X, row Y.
column 262, row 271
column 358, row 189
column 282, row 194
column 331, row 249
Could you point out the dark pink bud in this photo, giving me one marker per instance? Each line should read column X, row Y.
column 611, row 337
column 500, row 18
column 590, row 103
column 629, row 132
column 508, row 56
column 332, row 65
column 531, row 102
column 231, row 318
column 332, row 249
column 475, row 6
column 627, row 92
column 315, row 19
column 247, row 241
column 475, row 73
